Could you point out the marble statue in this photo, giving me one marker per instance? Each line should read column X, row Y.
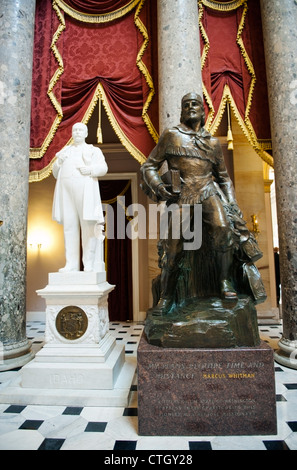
column 224, row 265
column 77, row 202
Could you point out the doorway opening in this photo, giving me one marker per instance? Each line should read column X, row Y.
column 121, row 253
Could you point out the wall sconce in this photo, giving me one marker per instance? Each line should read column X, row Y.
column 35, row 245
column 255, row 225
column 38, row 239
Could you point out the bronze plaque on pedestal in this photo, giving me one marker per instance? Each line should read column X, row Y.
column 72, row 322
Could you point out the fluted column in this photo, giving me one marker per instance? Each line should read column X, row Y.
column 16, row 51
column 279, row 19
column 179, row 56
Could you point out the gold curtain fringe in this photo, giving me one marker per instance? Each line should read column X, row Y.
column 99, row 18
column 59, row 59
column 245, row 125
column 39, row 175
column 265, row 144
column 220, row 6
column 40, row 151
column 204, row 35
column 143, row 69
column 211, row 112
column 206, row 47
column 214, row 124
column 247, row 60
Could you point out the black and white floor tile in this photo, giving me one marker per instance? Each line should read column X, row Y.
column 35, row 427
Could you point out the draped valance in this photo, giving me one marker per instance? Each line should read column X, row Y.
column 77, row 63
column 90, row 11
column 88, row 52
column 233, row 68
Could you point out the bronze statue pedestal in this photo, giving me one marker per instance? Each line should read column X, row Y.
column 188, row 391
column 202, row 369
column 205, row 323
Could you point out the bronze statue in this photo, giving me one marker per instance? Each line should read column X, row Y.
column 223, row 266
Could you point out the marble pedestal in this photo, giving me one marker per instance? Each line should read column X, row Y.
column 80, row 364
column 188, row 392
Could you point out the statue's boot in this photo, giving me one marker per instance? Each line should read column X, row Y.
column 227, row 290
column 168, row 285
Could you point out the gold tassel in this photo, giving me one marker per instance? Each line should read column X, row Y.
column 99, row 130
column 230, row 139
column 229, row 133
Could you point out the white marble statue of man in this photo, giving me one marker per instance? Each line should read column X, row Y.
column 77, row 202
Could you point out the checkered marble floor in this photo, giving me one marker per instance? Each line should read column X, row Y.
column 36, row 427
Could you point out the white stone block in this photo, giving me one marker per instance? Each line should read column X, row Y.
column 76, row 278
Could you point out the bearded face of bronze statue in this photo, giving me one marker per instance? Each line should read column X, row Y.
column 192, row 109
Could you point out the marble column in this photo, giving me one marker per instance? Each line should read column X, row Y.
column 16, row 51
column 179, row 57
column 179, row 69
column 279, row 19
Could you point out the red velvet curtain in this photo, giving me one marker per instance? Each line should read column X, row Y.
column 233, row 68
column 82, row 62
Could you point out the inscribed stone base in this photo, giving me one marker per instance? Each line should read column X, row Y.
column 187, row 392
column 16, row 394
column 79, row 372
